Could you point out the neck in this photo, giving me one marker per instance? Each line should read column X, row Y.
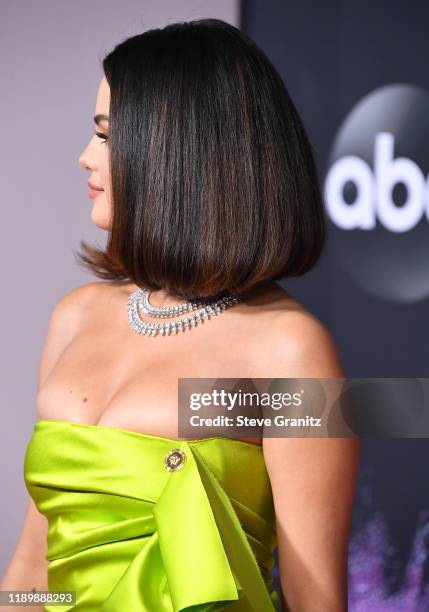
column 161, row 298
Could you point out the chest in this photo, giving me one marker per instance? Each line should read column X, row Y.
column 106, row 377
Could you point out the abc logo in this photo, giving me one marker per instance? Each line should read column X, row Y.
column 376, row 193
column 375, row 188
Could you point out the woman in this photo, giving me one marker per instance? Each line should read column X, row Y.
column 202, row 174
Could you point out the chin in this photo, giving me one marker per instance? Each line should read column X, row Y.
column 100, row 218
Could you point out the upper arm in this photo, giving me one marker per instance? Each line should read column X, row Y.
column 313, row 483
column 28, row 566
column 32, row 543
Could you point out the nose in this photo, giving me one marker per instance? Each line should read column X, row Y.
column 85, row 160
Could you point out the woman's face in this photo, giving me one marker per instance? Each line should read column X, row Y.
column 95, row 158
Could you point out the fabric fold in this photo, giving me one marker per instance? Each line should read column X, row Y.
column 185, row 521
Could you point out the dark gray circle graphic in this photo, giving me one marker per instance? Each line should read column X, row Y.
column 376, row 193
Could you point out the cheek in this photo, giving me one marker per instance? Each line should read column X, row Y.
column 101, row 211
column 103, row 168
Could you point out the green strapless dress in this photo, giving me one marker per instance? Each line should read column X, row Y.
column 135, row 528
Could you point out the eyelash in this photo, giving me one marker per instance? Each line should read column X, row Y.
column 102, row 136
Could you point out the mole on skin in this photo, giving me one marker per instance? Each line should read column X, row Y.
column 85, row 399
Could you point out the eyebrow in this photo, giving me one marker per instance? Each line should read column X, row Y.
column 99, row 118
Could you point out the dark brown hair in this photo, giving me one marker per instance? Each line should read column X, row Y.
column 213, row 182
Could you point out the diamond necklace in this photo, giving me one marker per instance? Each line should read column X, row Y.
column 207, row 308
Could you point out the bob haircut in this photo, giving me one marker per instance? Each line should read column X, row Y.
column 213, row 182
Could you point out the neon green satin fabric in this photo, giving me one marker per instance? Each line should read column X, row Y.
column 130, row 536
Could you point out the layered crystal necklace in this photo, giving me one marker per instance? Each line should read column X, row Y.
column 201, row 310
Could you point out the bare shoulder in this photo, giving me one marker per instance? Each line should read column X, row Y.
column 294, row 342
column 65, row 320
column 70, row 308
column 306, row 347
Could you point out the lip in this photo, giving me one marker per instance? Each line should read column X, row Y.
column 93, row 193
column 94, row 187
column 94, row 190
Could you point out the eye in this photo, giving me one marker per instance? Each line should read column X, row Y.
column 102, row 136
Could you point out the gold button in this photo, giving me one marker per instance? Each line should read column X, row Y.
column 174, row 460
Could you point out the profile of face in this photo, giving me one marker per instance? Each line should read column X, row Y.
column 95, row 158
